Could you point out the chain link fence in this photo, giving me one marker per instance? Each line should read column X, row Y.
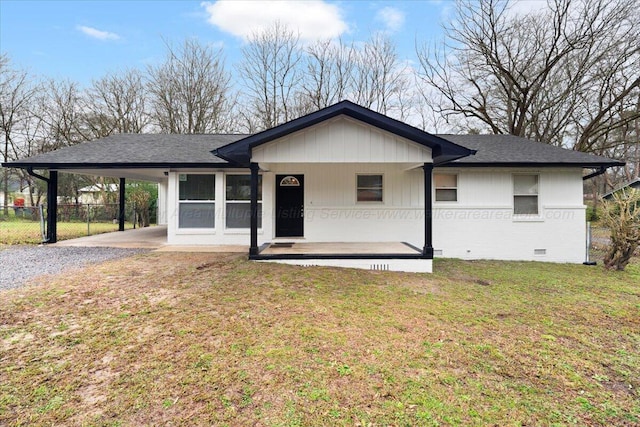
column 27, row 224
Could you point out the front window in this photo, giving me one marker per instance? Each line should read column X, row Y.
column 196, row 199
column 238, row 205
column 525, row 194
column 446, row 187
column 369, row 188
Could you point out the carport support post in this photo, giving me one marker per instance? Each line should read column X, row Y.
column 253, row 249
column 121, row 206
column 427, row 251
column 52, row 207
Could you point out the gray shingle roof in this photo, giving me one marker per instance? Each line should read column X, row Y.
column 629, row 185
column 162, row 150
column 135, row 150
column 512, row 150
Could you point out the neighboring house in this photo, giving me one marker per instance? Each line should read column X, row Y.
column 633, row 184
column 93, row 194
column 347, row 186
column 16, row 191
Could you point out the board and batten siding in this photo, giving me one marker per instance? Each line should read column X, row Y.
column 481, row 224
column 341, row 140
column 332, row 213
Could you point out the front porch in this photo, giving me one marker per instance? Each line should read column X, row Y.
column 384, row 256
column 339, row 249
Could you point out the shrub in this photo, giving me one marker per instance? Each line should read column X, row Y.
column 621, row 215
column 592, row 214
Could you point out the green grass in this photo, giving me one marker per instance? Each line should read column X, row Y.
column 212, row 339
column 17, row 231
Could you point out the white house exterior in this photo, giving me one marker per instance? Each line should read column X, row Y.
column 353, row 178
column 94, row 193
column 485, row 210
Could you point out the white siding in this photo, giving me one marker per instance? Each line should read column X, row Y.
column 332, row 214
column 341, row 140
column 481, row 223
column 219, row 235
column 163, row 202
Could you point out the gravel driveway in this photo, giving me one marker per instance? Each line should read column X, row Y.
column 18, row 264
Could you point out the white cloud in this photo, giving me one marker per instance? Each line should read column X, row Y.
column 527, row 7
column 314, row 19
column 97, row 34
column 392, row 18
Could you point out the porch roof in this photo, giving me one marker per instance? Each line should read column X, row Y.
column 442, row 150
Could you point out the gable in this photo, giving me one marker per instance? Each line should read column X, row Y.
column 341, row 140
column 442, row 151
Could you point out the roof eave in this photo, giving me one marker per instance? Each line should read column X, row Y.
column 140, row 165
column 585, row 165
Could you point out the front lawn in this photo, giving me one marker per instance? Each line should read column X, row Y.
column 212, row 339
column 18, row 231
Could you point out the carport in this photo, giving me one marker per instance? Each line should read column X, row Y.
column 145, row 157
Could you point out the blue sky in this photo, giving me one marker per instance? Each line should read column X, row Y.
column 84, row 40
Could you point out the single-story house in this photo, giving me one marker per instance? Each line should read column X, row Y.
column 635, row 184
column 93, row 193
column 347, row 186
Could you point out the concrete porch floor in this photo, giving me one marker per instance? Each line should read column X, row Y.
column 338, row 248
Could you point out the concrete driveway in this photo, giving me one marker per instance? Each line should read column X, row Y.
column 140, row 238
column 154, row 238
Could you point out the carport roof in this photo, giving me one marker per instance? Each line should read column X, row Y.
column 138, row 151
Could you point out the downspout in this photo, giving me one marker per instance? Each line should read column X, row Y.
column 52, row 203
column 599, row 172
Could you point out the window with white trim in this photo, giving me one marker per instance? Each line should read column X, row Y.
column 525, row 195
column 446, row 185
column 238, row 201
column 369, row 188
column 196, row 201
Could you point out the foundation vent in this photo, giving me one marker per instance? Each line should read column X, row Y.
column 539, row 251
column 380, row 267
column 437, row 252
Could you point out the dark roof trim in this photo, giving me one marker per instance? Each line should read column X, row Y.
column 61, row 166
column 442, row 150
column 531, row 164
column 635, row 184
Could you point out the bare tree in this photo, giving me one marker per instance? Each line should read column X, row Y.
column 270, row 71
column 381, row 81
column 16, row 94
column 117, row 104
column 567, row 76
column 60, row 109
column 190, row 91
column 329, row 74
